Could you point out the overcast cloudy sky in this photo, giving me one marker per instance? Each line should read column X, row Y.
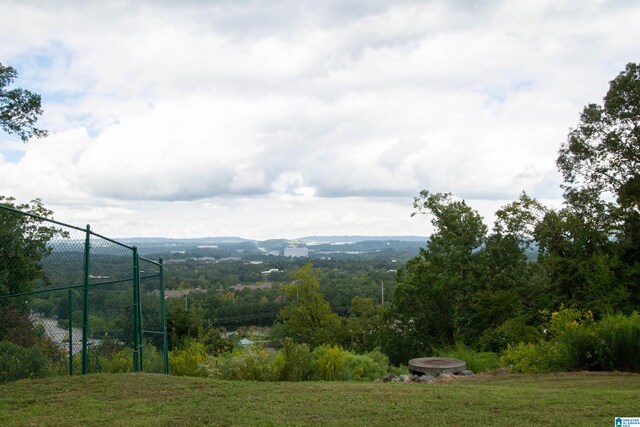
column 286, row 118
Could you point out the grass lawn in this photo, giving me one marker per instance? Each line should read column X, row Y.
column 582, row 399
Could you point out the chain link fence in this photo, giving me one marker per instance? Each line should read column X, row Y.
column 73, row 301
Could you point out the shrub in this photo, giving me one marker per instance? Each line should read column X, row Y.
column 475, row 361
column 508, row 333
column 398, row 370
column 17, row 362
column 122, row 361
column 528, row 358
column 576, row 342
column 188, row 361
column 293, row 363
column 119, row 362
column 328, row 362
column 617, row 346
column 361, row 367
column 251, row 364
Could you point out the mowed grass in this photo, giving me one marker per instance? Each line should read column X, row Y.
column 583, row 399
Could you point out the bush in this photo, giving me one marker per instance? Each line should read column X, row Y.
column 118, row 362
column 17, row 362
column 510, row 332
column 251, row 364
column 332, row 363
column 398, row 370
column 617, row 346
column 576, row 342
column 328, row 362
column 122, row 361
column 475, row 361
column 188, row 361
column 530, row 358
column 293, row 363
column 362, row 367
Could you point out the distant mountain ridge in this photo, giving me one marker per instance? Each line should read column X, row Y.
column 356, row 239
column 306, row 239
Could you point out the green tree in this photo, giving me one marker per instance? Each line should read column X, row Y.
column 600, row 163
column 23, row 244
column 308, row 318
column 19, row 108
column 434, row 293
column 601, row 156
column 364, row 325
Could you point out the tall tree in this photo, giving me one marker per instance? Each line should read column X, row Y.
column 19, row 108
column 600, row 163
column 431, row 303
column 23, row 244
column 309, row 319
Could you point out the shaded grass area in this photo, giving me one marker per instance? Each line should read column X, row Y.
column 145, row 399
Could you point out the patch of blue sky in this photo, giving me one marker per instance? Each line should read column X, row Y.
column 11, row 156
column 35, row 64
column 59, row 97
column 496, row 95
column 11, row 148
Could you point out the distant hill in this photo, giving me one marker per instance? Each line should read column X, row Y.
column 356, row 239
column 395, row 247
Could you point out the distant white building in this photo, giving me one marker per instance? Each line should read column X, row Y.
column 296, row 252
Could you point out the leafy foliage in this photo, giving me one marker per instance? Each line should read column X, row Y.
column 475, row 361
column 17, row 362
column 19, row 108
column 578, row 342
column 189, row 359
column 308, row 319
column 23, row 244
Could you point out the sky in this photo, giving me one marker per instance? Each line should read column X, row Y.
column 282, row 118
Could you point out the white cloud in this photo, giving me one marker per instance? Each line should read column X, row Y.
column 165, row 109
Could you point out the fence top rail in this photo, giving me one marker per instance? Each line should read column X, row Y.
column 38, row 217
column 112, row 241
column 41, row 218
column 150, row 261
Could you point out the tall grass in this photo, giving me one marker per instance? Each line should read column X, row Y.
column 475, row 361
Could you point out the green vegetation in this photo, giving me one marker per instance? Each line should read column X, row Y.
column 577, row 341
column 19, row 108
column 580, row 399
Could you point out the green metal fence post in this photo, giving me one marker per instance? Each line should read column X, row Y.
column 69, row 301
column 165, row 341
column 136, row 311
column 85, row 302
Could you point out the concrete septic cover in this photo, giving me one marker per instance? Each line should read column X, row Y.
column 436, row 365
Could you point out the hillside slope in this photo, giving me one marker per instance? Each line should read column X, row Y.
column 144, row 399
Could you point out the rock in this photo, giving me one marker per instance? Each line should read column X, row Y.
column 445, row 375
column 389, row 378
column 466, row 372
column 404, row 379
column 426, row 379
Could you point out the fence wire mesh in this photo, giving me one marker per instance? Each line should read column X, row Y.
column 72, row 301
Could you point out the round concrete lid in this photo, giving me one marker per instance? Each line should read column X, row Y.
column 428, row 364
